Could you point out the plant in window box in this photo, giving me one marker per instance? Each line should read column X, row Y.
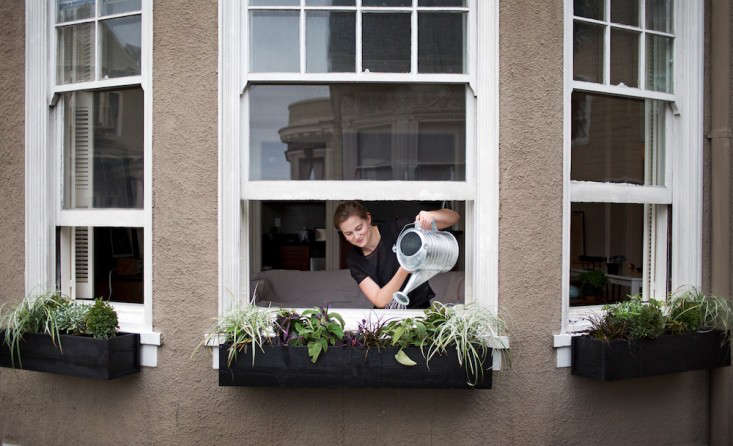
column 635, row 338
column 448, row 347
column 50, row 333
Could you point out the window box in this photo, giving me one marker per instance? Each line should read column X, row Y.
column 287, row 366
column 621, row 359
column 81, row 356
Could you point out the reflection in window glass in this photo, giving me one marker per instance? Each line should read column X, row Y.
column 441, row 42
column 659, row 62
column 330, row 42
column 625, row 12
column 459, row 3
column 120, row 46
column 68, row 10
column 330, row 2
column 101, row 262
column 75, row 53
column 274, row 37
column 592, row 9
column 300, row 260
column 274, row 2
column 386, row 2
column 587, row 52
column 606, row 252
column 386, row 43
column 119, row 6
column 624, row 57
column 103, row 149
column 357, row 132
column 659, row 15
column 609, row 139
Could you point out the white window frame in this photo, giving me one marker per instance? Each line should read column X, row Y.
column 683, row 161
column 44, row 164
column 482, row 133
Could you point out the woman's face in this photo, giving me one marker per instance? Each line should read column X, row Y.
column 356, row 230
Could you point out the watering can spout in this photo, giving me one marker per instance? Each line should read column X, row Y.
column 417, row 278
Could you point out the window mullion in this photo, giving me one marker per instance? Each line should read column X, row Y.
column 358, row 37
column 413, row 38
column 607, row 43
column 302, row 37
column 642, row 45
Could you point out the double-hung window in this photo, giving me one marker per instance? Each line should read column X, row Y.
column 100, row 135
column 633, row 144
column 392, row 102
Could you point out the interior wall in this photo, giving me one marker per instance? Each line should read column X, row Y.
column 179, row 402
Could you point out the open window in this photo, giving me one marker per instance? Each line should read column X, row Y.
column 378, row 101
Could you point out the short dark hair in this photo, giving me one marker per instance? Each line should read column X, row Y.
column 346, row 209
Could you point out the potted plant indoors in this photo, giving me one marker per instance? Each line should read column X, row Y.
column 447, row 347
column 637, row 338
column 50, row 333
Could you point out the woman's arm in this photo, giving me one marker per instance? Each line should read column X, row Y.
column 443, row 218
column 381, row 297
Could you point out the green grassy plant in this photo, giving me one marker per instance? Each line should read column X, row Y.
column 691, row 310
column 34, row 314
column 245, row 326
column 631, row 319
column 471, row 329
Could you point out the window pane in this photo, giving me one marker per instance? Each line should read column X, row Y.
column 330, row 2
column 386, row 43
column 75, row 53
column 119, row 6
column 68, row 10
column 606, row 252
column 386, row 2
column 625, row 12
column 330, row 42
column 659, row 15
column 624, row 57
column 300, row 260
column 104, row 262
column 120, row 46
column 274, row 38
column 460, row 3
column 274, row 2
column 441, row 42
column 587, row 52
column 609, row 139
column 593, row 9
column 357, row 132
column 659, row 63
column 103, row 149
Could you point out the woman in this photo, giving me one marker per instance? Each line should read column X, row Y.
column 371, row 261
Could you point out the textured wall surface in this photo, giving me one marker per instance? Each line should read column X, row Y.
column 179, row 402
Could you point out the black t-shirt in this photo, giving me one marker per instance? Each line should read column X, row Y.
column 381, row 264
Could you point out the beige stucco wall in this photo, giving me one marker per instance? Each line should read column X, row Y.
column 179, row 402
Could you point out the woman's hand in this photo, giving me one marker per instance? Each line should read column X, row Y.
column 424, row 220
column 442, row 218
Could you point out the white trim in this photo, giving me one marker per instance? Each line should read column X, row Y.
column 230, row 214
column 486, row 205
column 117, row 218
column 39, row 216
column 364, row 77
column 105, row 83
column 688, row 134
column 146, row 68
column 592, row 192
column 362, row 190
column 621, row 90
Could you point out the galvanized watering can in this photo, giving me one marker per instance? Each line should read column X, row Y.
column 424, row 253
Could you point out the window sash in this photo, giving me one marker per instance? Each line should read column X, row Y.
column 358, row 76
column 608, row 25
